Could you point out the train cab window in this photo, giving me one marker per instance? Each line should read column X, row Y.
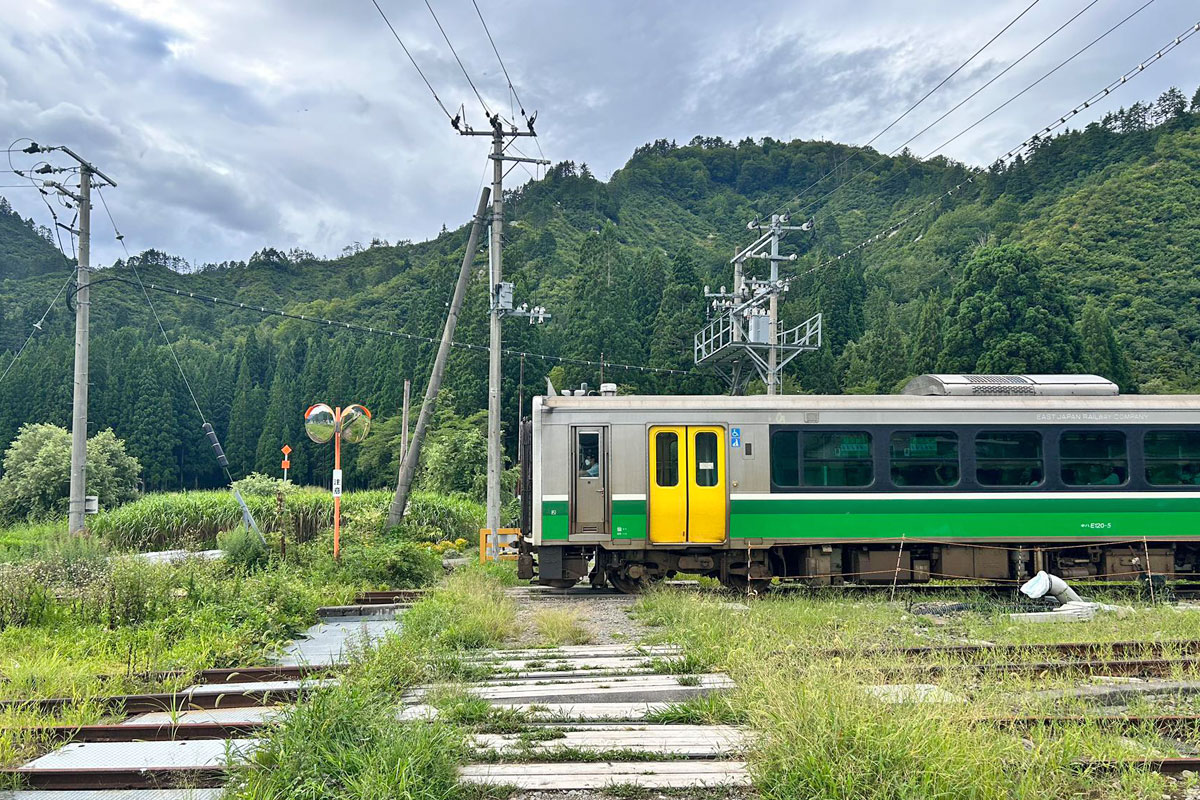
column 666, row 458
column 785, row 458
column 706, row 458
column 924, row 458
column 841, row 458
column 1094, row 458
column 1009, row 458
column 1173, row 458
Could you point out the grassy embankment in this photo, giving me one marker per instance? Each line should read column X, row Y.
column 804, row 667
column 81, row 618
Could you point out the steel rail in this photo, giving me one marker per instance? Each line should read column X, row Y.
column 129, row 704
column 143, row 732
column 1085, row 649
column 159, row 777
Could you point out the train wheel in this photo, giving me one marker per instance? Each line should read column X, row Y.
column 743, row 585
column 560, row 583
column 625, row 584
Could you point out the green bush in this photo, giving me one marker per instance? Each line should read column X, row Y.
column 258, row 485
column 433, row 517
column 244, row 549
column 394, row 565
column 37, row 472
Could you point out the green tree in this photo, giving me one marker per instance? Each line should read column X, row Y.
column 680, row 315
column 926, row 345
column 1102, row 353
column 1006, row 317
column 37, row 472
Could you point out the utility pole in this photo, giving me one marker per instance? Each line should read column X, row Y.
column 82, row 334
column 79, row 401
column 745, row 329
column 412, row 453
column 500, row 305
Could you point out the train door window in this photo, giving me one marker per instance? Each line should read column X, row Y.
column 1094, row 458
column 666, row 458
column 839, row 458
column 589, row 455
column 785, row 458
column 924, row 458
column 706, row 458
column 1173, row 458
column 1009, row 458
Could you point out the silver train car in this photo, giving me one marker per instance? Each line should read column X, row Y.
column 962, row 476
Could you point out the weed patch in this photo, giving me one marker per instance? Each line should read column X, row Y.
column 561, row 626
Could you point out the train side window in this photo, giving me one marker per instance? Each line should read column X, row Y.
column 706, row 458
column 589, row 455
column 924, row 458
column 666, row 458
column 1173, row 458
column 841, row 458
column 785, row 458
column 1009, row 458
column 1094, row 458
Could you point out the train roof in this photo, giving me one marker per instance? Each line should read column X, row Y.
column 865, row 402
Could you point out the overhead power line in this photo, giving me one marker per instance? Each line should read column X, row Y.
column 496, row 50
column 1016, row 151
column 378, row 331
column 37, row 326
column 812, row 203
column 461, row 66
column 914, row 106
column 400, row 41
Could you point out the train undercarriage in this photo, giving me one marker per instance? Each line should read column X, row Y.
column 632, row 570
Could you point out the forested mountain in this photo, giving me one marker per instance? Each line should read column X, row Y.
column 1081, row 256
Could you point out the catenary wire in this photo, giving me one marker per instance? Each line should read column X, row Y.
column 914, row 106
column 1013, row 153
column 400, row 41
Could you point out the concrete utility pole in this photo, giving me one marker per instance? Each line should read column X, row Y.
column 501, row 305
column 80, row 400
column 83, row 201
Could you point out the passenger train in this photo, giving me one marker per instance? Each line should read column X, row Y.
column 961, row 476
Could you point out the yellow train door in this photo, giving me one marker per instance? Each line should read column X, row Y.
column 668, row 500
column 688, row 495
column 707, row 495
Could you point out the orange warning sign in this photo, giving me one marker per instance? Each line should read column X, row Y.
column 286, row 464
column 286, row 449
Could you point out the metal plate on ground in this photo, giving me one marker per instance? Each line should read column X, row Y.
column 115, row 794
column 219, row 716
column 566, row 776
column 142, row 755
column 329, row 642
column 681, row 741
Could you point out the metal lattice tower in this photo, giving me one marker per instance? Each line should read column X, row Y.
column 745, row 331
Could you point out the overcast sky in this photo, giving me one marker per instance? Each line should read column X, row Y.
column 231, row 125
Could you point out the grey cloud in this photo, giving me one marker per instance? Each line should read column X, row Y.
column 232, row 126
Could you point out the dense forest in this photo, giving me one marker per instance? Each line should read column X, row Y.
column 1081, row 255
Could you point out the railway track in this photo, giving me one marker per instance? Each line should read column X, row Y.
column 1080, row 649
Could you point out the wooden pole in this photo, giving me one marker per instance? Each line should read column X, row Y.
column 409, row 467
column 404, row 421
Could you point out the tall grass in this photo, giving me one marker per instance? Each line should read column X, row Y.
column 822, row 730
column 345, row 741
column 469, row 610
column 194, row 519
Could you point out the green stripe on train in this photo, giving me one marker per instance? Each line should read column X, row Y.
column 934, row 518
